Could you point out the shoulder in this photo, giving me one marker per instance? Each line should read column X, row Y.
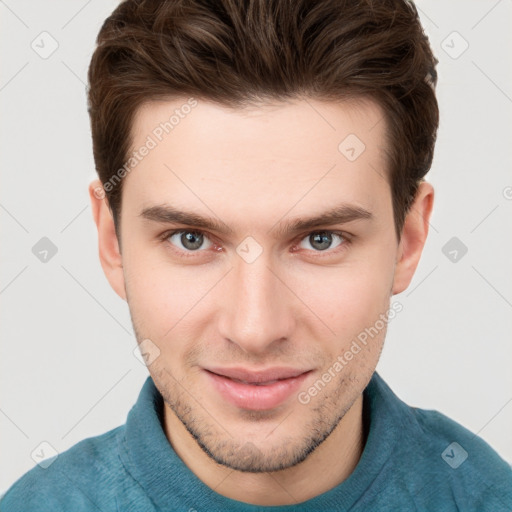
column 81, row 478
column 460, row 463
column 434, row 463
column 458, row 443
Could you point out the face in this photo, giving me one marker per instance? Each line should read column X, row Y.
column 244, row 305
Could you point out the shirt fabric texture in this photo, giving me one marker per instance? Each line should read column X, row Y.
column 413, row 460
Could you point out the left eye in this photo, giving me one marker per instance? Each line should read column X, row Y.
column 189, row 240
column 321, row 240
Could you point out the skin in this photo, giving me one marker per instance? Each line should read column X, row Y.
column 294, row 306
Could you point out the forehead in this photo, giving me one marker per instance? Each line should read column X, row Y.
column 292, row 129
column 307, row 153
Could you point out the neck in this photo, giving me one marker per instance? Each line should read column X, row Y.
column 330, row 464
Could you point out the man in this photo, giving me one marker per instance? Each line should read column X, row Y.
column 261, row 199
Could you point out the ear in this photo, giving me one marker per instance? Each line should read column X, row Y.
column 414, row 236
column 110, row 254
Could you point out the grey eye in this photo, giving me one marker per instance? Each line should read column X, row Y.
column 321, row 240
column 189, row 240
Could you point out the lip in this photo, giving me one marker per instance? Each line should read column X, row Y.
column 256, row 390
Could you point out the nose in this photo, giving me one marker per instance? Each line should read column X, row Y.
column 257, row 307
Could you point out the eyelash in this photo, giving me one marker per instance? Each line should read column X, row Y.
column 346, row 240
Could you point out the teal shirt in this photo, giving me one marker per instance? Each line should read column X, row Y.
column 413, row 459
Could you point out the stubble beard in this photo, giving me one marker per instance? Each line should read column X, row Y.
column 275, row 452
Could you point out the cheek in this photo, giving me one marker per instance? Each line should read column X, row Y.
column 349, row 298
column 159, row 294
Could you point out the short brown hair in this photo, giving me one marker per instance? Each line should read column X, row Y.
column 239, row 52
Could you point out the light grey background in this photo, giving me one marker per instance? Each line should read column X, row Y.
column 67, row 366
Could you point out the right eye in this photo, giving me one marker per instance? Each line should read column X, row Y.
column 188, row 241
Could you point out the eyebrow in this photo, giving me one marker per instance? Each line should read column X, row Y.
column 339, row 215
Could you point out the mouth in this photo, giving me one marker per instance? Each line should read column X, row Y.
column 256, row 390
